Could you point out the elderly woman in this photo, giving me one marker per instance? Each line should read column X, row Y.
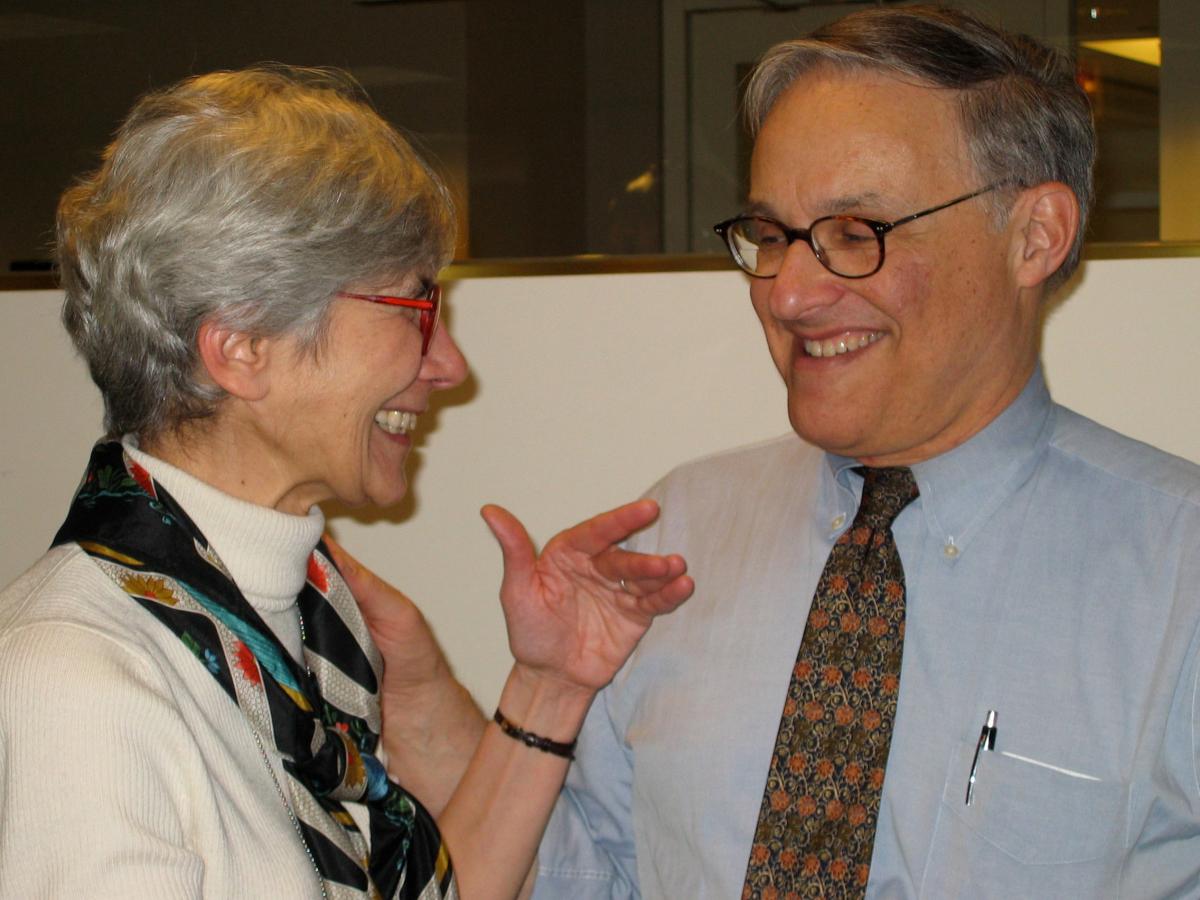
column 191, row 700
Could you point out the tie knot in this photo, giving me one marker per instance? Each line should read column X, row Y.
column 885, row 493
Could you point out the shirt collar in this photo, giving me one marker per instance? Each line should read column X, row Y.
column 961, row 488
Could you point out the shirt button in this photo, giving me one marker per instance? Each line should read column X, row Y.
column 838, row 521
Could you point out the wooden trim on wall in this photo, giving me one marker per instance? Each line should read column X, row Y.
column 613, row 265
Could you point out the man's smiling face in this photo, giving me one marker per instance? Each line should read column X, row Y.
column 909, row 362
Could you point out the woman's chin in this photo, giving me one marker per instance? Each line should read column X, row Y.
column 387, row 483
column 385, row 490
column 390, row 498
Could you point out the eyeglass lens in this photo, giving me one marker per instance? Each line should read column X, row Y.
column 430, row 318
column 429, row 309
column 845, row 245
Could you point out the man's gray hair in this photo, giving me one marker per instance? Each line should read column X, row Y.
column 247, row 198
column 1025, row 118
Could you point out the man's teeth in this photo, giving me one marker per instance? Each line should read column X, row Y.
column 396, row 421
column 838, row 346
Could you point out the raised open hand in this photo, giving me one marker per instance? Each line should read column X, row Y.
column 576, row 610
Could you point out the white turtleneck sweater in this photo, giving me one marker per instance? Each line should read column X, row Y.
column 265, row 551
column 125, row 770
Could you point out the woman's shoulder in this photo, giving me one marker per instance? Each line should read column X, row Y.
column 64, row 616
column 64, row 587
column 101, row 702
column 80, row 659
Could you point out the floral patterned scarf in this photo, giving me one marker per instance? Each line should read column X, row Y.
column 322, row 718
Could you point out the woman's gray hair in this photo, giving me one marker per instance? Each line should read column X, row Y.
column 1026, row 119
column 247, row 198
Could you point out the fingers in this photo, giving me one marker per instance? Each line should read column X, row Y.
column 664, row 599
column 369, row 589
column 608, row 528
column 654, row 584
column 515, row 544
column 352, row 570
column 639, row 573
column 669, row 596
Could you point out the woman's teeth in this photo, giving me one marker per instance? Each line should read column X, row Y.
column 396, row 421
column 838, row 346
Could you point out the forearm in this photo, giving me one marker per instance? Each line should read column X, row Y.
column 574, row 613
column 430, row 736
column 494, row 821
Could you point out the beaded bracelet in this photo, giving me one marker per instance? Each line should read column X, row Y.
column 529, row 739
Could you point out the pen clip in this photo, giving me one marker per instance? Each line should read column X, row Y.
column 987, row 741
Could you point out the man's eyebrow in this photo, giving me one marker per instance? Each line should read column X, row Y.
column 759, row 208
column 831, row 207
column 853, row 201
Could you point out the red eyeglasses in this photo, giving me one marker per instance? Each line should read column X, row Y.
column 430, row 306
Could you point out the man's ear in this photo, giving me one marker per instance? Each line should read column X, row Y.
column 236, row 361
column 1047, row 219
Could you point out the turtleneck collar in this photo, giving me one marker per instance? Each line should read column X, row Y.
column 265, row 551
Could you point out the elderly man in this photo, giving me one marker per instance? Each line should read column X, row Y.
column 946, row 643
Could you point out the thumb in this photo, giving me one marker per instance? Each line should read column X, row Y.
column 370, row 592
column 347, row 564
column 515, row 544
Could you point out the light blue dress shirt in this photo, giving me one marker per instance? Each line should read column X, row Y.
column 1053, row 575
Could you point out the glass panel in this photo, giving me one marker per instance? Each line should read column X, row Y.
column 1117, row 47
column 565, row 127
column 1119, row 60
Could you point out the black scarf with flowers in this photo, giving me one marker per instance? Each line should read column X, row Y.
column 322, row 718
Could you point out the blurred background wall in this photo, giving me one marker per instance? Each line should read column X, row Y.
column 585, row 390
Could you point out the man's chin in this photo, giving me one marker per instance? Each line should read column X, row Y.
column 832, row 434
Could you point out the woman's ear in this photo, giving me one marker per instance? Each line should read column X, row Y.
column 1047, row 220
column 236, row 361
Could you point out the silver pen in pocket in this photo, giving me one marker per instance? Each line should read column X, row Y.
column 987, row 741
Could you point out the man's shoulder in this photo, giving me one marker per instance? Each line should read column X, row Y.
column 785, row 455
column 729, row 489
column 1123, row 462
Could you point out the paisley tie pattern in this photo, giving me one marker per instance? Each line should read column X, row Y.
column 816, row 826
column 322, row 718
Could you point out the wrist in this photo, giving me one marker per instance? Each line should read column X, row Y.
column 544, row 705
column 534, row 741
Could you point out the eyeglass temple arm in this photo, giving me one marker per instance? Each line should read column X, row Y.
column 926, row 212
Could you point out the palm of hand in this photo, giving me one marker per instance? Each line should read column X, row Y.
column 576, row 611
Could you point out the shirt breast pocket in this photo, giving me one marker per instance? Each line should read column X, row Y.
column 1032, row 830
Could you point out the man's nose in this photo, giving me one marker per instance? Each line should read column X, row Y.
column 803, row 285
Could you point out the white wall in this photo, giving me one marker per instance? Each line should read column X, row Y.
column 586, row 389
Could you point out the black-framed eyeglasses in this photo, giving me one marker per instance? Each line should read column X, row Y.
column 849, row 246
column 430, row 306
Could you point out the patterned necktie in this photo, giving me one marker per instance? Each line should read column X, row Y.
column 816, row 826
